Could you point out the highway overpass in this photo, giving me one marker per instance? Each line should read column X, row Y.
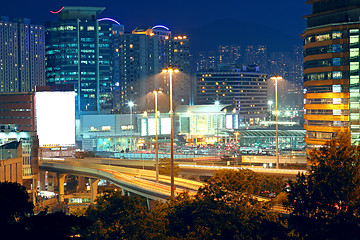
column 138, row 181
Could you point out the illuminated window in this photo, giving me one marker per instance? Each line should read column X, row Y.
column 336, row 35
column 354, row 52
column 336, row 61
column 336, row 88
column 105, row 128
column 354, row 39
column 337, row 75
column 322, row 37
column 337, row 101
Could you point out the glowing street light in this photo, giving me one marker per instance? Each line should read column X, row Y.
column 276, row 78
column 131, row 105
column 156, row 92
column 171, row 71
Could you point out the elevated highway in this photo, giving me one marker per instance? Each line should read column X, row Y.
column 138, row 181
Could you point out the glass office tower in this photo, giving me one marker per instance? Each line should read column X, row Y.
column 81, row 50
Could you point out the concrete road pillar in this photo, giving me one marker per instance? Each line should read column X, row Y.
column 51, row 181
column 81, row 183
column 42, row 180
column 61, row 187
column 94, row 188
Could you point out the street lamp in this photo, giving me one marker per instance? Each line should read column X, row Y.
column 217, row 103
column 131, row 105
column 156, row 92
column 171, row 71
column 270, row 104
column 237, row 146
column 276, row 78
column 109, row 150
column 142, row 158
column 104, row 144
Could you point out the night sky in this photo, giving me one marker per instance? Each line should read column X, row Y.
column 284, row 15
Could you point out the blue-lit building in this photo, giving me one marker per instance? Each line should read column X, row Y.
column 82, row 50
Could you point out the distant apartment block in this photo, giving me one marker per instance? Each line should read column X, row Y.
column 22, row 55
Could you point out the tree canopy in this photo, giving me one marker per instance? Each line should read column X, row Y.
column 325, row 203
column 120, row 217
column 14, row 203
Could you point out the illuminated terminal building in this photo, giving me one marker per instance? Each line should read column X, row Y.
column 82, row 50
column 193, row 125
column 331, row 71
column 245, row 89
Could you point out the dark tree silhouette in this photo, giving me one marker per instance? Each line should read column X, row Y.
column 325, row 204
column 14, row 203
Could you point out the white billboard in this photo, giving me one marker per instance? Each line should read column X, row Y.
column 229, row 121
column 165, row 125
column 143, row 127
column 55, row 118
column 152, row 126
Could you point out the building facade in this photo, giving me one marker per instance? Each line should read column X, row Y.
column 144, row 53
column 19, row 157
column 245, row 89
column 18, row 109
column 178, row 56
column 331, row 71
column 140, row 63
column 81, row 50
column 22, row 55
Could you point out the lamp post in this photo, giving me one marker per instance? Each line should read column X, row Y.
column 217, row 103
column 156, row 92
column 237, row 146
column 109, row 150
column 171, row 71
column 131, row 105
column 276, row 78
column 270, row 104
column 142, row 158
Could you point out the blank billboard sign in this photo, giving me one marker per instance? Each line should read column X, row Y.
column 55, row 118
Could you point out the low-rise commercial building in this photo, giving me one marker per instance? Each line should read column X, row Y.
column 19, row 152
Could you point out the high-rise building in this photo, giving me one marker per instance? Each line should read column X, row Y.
column 82, row 50
column 245, row 89
column 256, row 54
column 331, row 71
column 144, row 53
column 229, row 54
column 140, row 61
column 177, row 56
column 206, row 61
column 22, row 55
